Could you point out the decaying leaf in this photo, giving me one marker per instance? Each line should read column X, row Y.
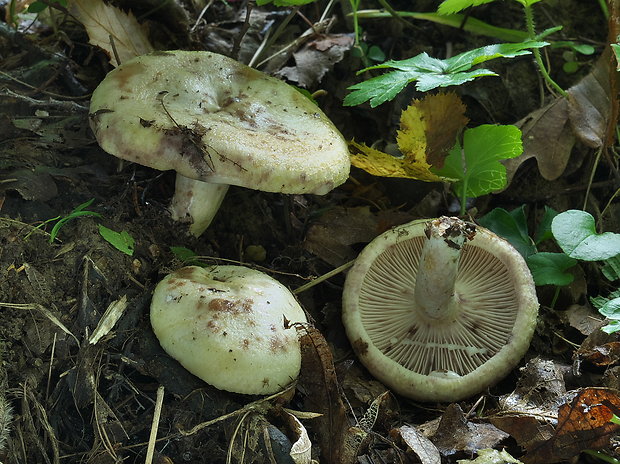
column 331, row 237
column 491, row 456
column 316, row 58
column 583, row 423
column 419, row 445
column 591, row 106
column 428, row 129
column 548, row 137
column 549, row 133
column 599, row 348
column 319, row 385
column 105, row 23
column 455, row 433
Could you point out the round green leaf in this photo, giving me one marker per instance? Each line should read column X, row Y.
column 575, row 232
column 550, row 268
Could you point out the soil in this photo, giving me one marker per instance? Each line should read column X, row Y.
column 75, row 401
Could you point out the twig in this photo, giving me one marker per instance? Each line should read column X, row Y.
column 155, row 425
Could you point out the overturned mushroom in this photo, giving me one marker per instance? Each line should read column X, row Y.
column 439, row 310
column 216, row 122
column 229, row 326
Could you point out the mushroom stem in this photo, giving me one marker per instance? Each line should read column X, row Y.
column 439, row 264
column 196, row 202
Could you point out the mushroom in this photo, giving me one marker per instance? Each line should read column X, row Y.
column 229, row 326
column 216, row 122
column 439, row 310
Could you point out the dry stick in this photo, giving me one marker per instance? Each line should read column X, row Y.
column 155, row 425
column 244, row 29
column 326, row 276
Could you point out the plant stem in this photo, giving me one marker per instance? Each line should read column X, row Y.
column 439, row 264
column 529, row 23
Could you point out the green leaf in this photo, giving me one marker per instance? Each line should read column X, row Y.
column 611, row 309
column 612, row 327
column 616, row 48
column 599, row 301
column 454, row 6
column 550, row 268
column 611, row 268
column 36, row 7
column 78, row 211
column 476, row 165
column 122, row 241
column 511, row 226
column 183, row 254
column 431, row 72
column 575, row 232
column 543, row 232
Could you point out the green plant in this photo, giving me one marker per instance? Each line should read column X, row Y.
column 77, row 212
column 430, row 73
column 454, row 6
column 574, row 232
column 475, row 164
column 547, row 268
column 122, row 240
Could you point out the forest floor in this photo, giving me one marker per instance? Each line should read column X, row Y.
column 74, row 401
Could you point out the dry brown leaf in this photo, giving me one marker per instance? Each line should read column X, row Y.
column 105, row 23
column 590, row 104
column 548, row 137
column 316, row 58
column 318, row 382
column 455, row 433
column 583, row 423
column 421, row 446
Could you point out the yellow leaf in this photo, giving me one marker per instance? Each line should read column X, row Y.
column 428, row 129
column 105, row 23
column 382, row 164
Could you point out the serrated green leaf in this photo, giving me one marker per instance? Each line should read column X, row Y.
column 476, row 165
column 431, row 72
column 512, row 226
column 377, row 90
column 454, row 6
column 575, row 232
column 122, row 241
column 550, row 268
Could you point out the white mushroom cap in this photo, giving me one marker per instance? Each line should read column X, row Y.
column 481, row 330
column 226, row 325
column 215, row 120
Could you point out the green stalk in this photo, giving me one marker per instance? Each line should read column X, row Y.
column 472, row 25
column 529, row 23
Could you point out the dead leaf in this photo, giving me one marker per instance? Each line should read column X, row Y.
column 455, row 433
column 491, row 456
column 105, row 23
column 316, row 58
column 590, row 104
column 428, row 129
column 599, row 348
column 418, row 444
column 583, row 423
column 583, row 318
column 319, row 385
column 431, row 125
column 331, row 237
column 548, row 137
column 35, row 184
